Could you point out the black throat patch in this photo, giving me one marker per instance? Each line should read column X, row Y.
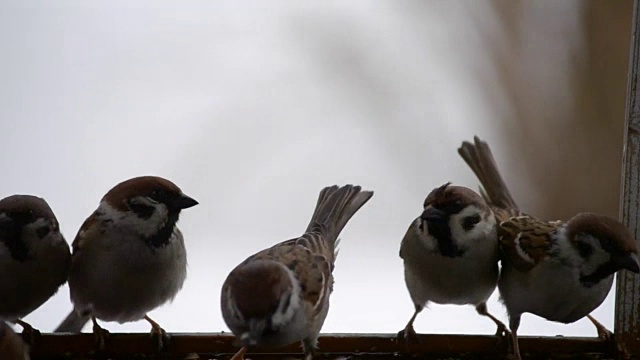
column 442, row 233
column 602, row 272
column 163, row 236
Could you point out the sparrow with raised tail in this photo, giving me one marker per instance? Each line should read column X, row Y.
column 34, row 257
column 12, row 347
column 450, row 254
column 128, row 256
column 280, row 295
column 558, row 270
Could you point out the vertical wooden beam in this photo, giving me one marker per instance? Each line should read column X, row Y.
column 627, row 317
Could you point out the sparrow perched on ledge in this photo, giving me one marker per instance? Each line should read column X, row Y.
column 280, row 295
column 129, row 256
column 558, row 270
column 34, row 257
column 450, row 253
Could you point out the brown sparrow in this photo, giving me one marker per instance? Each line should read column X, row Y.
column 12, row 347
column 128, row 256
column 558, row 270
column 34, row 257
column 280, row 295
column 450, row 253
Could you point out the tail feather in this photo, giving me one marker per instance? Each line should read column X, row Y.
column 335, row 207
column 481, row 161
column 73, row 323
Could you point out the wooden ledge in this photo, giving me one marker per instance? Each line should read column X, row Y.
column 332, row 346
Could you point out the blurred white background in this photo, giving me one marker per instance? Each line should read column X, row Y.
column 252, row 108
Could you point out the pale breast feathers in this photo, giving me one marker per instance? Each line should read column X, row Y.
column 88, row 230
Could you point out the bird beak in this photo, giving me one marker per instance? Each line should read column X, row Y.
column 433, row 215
column 251, row 337
column 629, row 262
column 256, row 328
column 183, row 202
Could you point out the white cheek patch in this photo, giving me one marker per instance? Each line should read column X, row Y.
column 34, row 226
column 129, row 221
column 485, row 227
column 30, row 231
column 564, row 248
column 597, row 258
column 570, row 254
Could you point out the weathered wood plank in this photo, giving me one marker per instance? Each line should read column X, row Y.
column 627, row 317
column 332, row 346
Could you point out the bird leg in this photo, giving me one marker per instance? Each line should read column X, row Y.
column 408, row 334
column 309, row 345
column 100, row 334
column 603, row 333
column 515, row 346
column 240, row 354
column 29, row 334
column 158, row 333
column 502, row 329
column 514, row 323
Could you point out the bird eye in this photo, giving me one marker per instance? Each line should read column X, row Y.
column 470, row 221
column 43, row 231
column 28, row 217
column 584, row 249
column 142, row 210
column 158, row 194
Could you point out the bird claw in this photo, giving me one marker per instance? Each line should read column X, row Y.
column 408, row 335
column 160, row 337
column 29, row 334
column 240, row 354
column 101, row 336
column 502, row 331
column 604, row 334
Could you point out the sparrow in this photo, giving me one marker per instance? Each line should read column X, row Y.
column 34, row 257
column 450, row 254
column 128, row 256
column 12, row 347
column 280, row 295
column 558, row 270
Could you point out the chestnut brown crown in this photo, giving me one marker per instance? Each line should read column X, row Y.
column 153, row 187
column 27, row 209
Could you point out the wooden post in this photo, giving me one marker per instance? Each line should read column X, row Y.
column 627, row 317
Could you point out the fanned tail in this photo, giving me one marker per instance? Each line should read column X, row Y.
column 480, row 159
column 335, row 207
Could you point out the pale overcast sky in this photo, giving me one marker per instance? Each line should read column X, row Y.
column 252, row 109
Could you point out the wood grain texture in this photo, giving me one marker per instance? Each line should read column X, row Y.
column 332, row 346
column 627, row 317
